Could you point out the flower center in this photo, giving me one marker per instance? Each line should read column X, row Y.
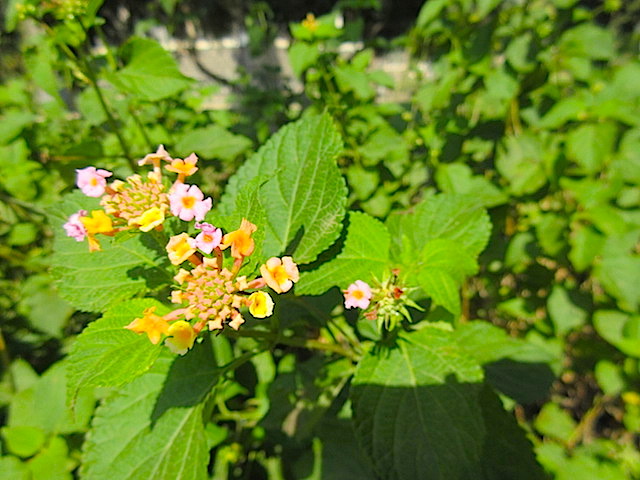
column 358, row 294
column 188, row 202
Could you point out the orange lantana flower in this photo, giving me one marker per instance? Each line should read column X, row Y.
column 153, row 325
column 240, row 241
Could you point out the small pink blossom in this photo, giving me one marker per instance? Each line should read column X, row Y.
column 209, row 238
column 74, row 226
column 187, row 202
column 357, row 295
column 91, row 181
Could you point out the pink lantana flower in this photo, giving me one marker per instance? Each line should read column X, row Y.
column 187, row 202
column 357, row 295
column 209, row 238
column 74, row 226
column 91, row 181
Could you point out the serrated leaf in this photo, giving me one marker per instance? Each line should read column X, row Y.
column 107, row 354
column 512, row 366
column 132, row 438
column 441, row 287
column 454, row 217
column 150, row 71
column 93, row 281
column 305, row 197
column 421, row 411
column 364, row 256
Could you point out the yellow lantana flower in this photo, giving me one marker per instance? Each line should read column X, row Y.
column 180, row 247
column 260, row 304
column 181, row 337
column 98, row 222
column 149, row 219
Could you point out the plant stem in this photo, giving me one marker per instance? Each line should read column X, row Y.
column 5, row 361
column 294, row 342
column 110, row 118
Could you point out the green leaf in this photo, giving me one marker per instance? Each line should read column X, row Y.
column 563, row 311
column 212, row 142
column 586, row 244
column 23, row 441
column 619, row 329
column 302, row 56
column 53, row 462
column 150, row 71
column 12, row 468
column 441, row 287
column 515, row 367
column 520, row 161
column 610, row 378
column 451, row 217
column 364, row 256
column 153, row 428
column 306, row 195
column 555, row 422
column 43, row 405
column 590, row 145
column 94, row 281
column 590, row 41
column 619, row 274
column 421, row 411
column 458, row 178
column 107, row 354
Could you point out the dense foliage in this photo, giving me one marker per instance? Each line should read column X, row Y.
column 428, row 276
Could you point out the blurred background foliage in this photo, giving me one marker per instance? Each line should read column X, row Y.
column 530, row 106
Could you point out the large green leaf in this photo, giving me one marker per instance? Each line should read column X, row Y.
column 153, row 428
column 440, row 286
column 94, row 281
column 365, row 255
column 107, row 354
column 421, row 410
column 512, row 366
column 305, row 196
column 451, row 217
column 43, row 404
column 150, row 71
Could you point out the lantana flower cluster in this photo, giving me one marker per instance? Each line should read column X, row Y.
column 386, row 302
column 209, row 293
column 138, row 203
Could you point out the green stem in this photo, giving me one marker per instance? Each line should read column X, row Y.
column 110, row 117
column 141, row 127
column 309, row 343
column 5, row 361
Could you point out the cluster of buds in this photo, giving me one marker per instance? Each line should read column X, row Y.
column 209, row 292
column 386, row 302
column 141, row 203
